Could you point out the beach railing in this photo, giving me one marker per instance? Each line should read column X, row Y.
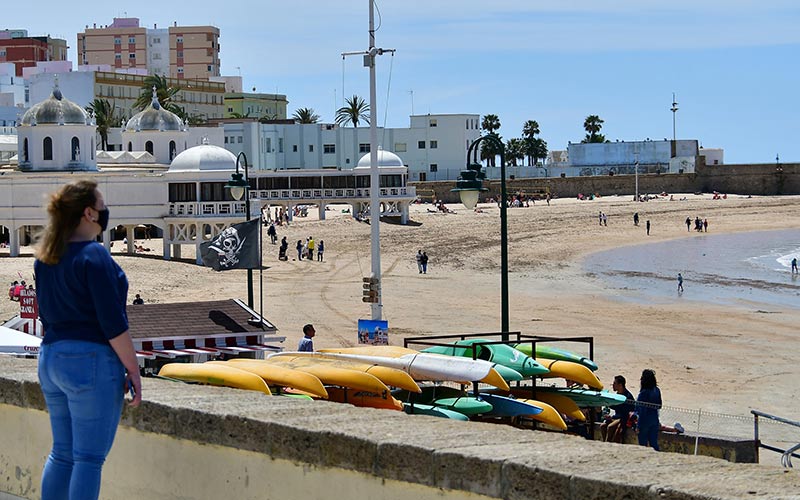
column 786, row 453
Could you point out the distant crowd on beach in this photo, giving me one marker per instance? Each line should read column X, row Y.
column 16, row 288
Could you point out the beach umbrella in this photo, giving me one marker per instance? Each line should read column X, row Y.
column 16, row 342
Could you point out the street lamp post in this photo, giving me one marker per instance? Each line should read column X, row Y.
column 239, row 187
column 469, row 186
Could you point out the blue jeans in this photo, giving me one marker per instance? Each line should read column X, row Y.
column 648, row 435
column 83, row 385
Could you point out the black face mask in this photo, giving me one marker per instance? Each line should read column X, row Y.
column 102, row 219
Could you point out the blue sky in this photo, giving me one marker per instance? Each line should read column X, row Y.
column 734, row 64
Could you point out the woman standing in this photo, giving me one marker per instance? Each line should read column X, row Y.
column 86, row 349
column 647, row 405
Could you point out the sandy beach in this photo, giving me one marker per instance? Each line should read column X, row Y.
column 724, row 359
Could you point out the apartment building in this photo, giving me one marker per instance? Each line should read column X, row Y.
column 201, row 99
column 25, row 51
column 269, row 106
column 180, row 52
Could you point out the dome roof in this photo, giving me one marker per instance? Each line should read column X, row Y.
column 55, row 110
column 385, row 159
column 154, row 117
column 203, row 157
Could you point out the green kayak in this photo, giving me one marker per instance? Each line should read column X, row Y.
column 433, row 411
column 446, row 397
column 546, row 351
column 501, row 354
column 584, row 398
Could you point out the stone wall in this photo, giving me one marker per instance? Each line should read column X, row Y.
column 198, row 442
column 755, row 179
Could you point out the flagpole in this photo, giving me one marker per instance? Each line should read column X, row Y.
column 261, row 264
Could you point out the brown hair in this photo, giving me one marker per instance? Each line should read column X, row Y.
column 65, row 209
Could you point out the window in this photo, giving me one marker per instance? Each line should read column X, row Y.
column 117, row 40
column 400, row 147
column 226, row 139
column 230, row 110
column 157, row 40
column 117, row 56
column 132, row 56
column 2, row 52
column 179, row 39
column 209, row 67
column 131, row 39
column 432, row 122
column 180, row 54
column 434, row 144
column 25, row 150
column 148, row 146
column 280, row 144
column 180, row 71
column 172, row 150
column 130, row 146
column 434, row 167
column 239, row 139
column 156, row 56
column 47, row 148
column 75, row 150
column 329, row 149
column 363, row 148
column 183, row 191
column 294, row 148
column 310, row 148
column 420, row 144
column 269, row 145
column 467, row 124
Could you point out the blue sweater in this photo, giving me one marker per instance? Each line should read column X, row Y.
column 648, row 413
column 83, row 296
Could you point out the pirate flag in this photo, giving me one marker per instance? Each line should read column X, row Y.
column 236, row 247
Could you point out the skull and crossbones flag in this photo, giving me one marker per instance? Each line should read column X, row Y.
column 236, row 247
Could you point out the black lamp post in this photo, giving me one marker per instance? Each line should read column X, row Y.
column 239, row 187
column 469, row 187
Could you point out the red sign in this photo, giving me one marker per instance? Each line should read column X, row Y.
column 28, row 305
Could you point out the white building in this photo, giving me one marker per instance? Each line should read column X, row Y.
column 433, row 147
column 159, row 182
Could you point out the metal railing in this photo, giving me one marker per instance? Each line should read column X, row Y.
column 787, row 453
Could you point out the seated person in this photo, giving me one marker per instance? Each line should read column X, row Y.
column 613, row 428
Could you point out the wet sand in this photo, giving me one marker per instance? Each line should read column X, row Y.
column 719, row 358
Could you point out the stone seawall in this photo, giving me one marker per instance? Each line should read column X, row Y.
column 203, row 442
column 756, row 179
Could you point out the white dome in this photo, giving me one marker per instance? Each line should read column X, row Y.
column 385, row 159
column 203, row 157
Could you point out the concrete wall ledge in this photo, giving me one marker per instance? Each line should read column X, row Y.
column 398, row 453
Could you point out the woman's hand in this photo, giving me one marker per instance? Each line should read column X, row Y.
column 133, row 385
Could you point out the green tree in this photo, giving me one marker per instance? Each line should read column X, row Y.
column 238, row 115
column 490, row 123
column 515, row 150
column 164, row 91
column 305, row 115
column 354, row 111
column 592, row 124
column 538, row 149
column 105, row 117
column 530, row 129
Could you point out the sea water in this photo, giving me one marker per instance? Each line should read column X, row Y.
column 747, row 269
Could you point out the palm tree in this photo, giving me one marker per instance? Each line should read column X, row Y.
column 355, row 110
column 164, row 92
column 592, row 124
column 238, row 115
column 105, row 117
column 530, row 129
column 490, row 123
column 305, row 115
column 515, row 150
column 538, row 149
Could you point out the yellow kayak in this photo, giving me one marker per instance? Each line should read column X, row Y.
column 549, row 415
column 333, row 375
column 570, row 371
column 563, row 404
column 389, row 376
column 388, row 351
column 215, row 374
column 278, row 375
column 364, row 399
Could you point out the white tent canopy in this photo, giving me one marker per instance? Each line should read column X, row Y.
column 15, row 342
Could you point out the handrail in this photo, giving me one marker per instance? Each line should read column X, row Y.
column 786, row 454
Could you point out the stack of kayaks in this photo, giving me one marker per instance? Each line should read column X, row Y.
column 364, row 376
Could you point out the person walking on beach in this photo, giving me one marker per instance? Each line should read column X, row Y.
column 794, row 265
column 688, row 224
column 647, row 225
column 424, row 262
column 87, row 359
column 320, row 250
column 680, row 283
column 647, row 405
column 605, row 220
column 636, row 218
column 705, row 225
column 299, row 247
column 600, row 218
column 306, row 343
column 419, row 261
column 273, row 233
